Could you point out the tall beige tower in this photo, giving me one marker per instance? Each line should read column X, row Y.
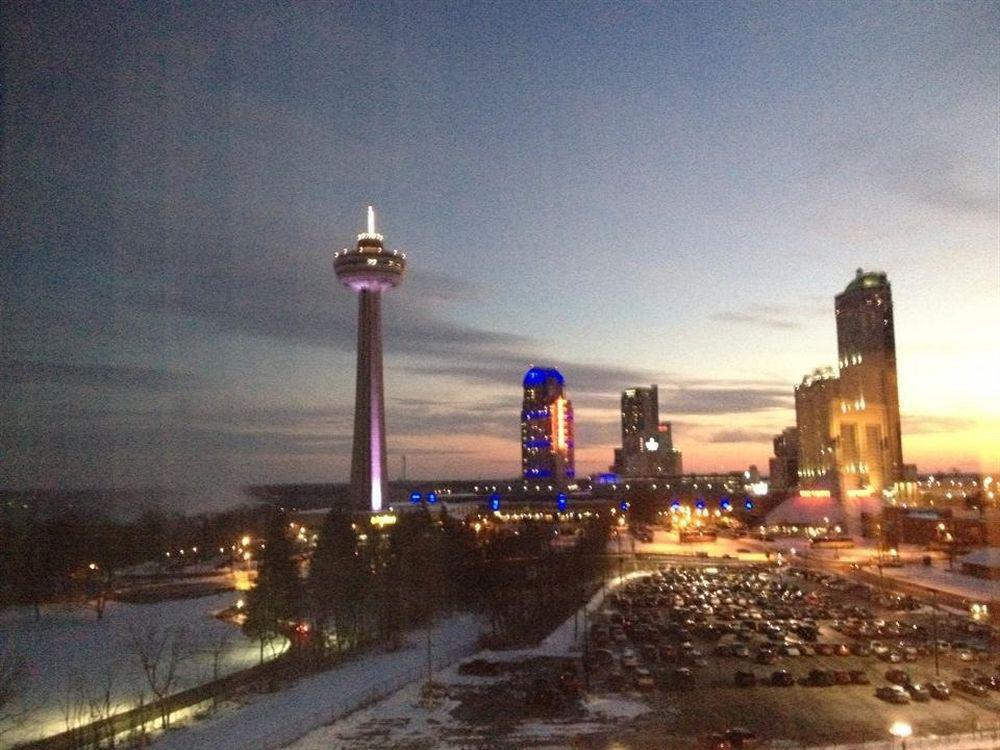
column 865, row 418
column 369, row 270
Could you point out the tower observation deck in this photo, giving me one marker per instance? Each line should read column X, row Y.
column 369, row 270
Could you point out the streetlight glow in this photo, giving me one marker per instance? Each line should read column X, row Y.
column 900, row 729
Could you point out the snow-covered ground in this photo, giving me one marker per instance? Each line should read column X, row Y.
column 404, row 719
column 668, row 543
column 274, row 720
column 942, row 579
column 69, row 654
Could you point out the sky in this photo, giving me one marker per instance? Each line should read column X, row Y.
column 636, row 193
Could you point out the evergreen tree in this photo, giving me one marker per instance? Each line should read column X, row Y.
column 275, row 601
column 338, row 578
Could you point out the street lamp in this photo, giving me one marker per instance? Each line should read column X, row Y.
column 902, row 730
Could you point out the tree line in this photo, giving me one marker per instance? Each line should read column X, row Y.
column 79, row 557
column 366, row 584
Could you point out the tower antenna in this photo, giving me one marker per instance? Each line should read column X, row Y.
column 371, row 220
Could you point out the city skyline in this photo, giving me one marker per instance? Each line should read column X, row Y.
column 170, row 316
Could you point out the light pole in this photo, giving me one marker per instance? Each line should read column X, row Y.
column 937, row 665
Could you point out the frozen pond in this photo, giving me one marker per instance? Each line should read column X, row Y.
column 69, row 654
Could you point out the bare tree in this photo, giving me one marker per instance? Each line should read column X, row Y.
column 13, row 674
column 102, row 706
column 217, row 649
column 74, row 705
column 160, row 652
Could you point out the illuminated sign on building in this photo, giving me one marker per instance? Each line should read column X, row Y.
column 559, row 428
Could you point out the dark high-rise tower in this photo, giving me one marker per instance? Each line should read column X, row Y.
column 784, row 467
column 647, row 444
column 866, row 418
column 546, row 427
column 369, row 270
column 640, row 416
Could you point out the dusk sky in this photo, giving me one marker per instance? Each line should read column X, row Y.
column 634, row 193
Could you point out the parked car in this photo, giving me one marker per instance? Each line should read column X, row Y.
column 918, row 692
column 745, row 679
column 966, row 685
column 858, row 677
column 766, row 656
column 898, row 676
column 644, row 679
column 782, row 678
column 740, row 738
column 892, row 694
column 683, row 676
column 820, row 678
column 939, row 690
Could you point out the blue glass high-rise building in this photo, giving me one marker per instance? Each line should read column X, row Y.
column 546, row 428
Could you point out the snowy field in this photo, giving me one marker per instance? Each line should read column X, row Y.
column 407, row 719
column 273, row 720
column 942, row 579
column 70, row 654
column 668, row 543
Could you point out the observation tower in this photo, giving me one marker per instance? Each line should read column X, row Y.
column 369, row 270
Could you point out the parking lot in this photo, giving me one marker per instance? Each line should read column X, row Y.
column 809, row 650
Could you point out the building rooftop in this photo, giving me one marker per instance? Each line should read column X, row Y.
column 867, row 280
column 538, row 375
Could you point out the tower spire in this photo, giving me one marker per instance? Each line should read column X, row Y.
column 371, row 220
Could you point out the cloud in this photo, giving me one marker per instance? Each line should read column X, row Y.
column 935, row 176
column 782, row 317
column 100, row 376
column 730, row 400
column 740, row 436
column 932, row 174
column 751, row 317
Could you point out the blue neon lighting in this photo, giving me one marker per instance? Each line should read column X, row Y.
column 700, row 505
column 675, row 504
column 538, row 473
column 432, row 497
column 537, row 443
column 529, row 414
column 538, row 376
column 561, row 501
column 494, row 502
column 623, row 506
column 415, row 497
column 606, row 478
column 748, row 505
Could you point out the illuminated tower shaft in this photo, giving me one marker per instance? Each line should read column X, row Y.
column 369, row 270
column 368, row 470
